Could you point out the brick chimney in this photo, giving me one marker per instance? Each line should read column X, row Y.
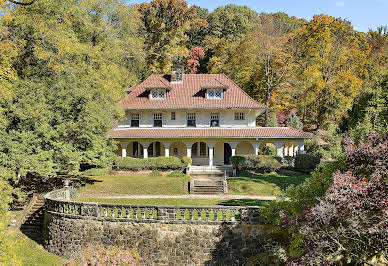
column 177, row 73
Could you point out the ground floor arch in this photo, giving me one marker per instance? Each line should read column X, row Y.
column 244, row 148
column 156, row 149
column 290, row 148
column 178, row 149
column 267, row 148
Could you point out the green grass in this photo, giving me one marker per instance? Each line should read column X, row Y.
column 271, row 184
column 180, row 201
column 30, row 253
column 134, row 185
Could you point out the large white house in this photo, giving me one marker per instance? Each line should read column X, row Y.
column 203, row 116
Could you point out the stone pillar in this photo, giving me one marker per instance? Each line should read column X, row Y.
column 124, row 145
column 285, row 150
column 188, row 154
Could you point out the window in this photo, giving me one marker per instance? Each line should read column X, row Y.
column 158, row 120
column 202, row 149
column 191, row 120
column 214, row 94
column 158, row 94
column 173, row 115
column 134, row 120
column 239, row 116
column 214, row 120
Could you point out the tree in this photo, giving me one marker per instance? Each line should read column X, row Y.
column 272, row 120
column 196, row 54
column 329, row 63
column 166, row 23
column 294, row 122
column 232, row 23
column 348, row 226
column 73, row 64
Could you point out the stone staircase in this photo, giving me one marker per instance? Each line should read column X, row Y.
column 32, row 224
column 209, row 180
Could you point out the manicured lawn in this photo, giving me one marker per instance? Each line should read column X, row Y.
column 262, row 184
column 30, row 253
column 134, row 185
column 180, row 201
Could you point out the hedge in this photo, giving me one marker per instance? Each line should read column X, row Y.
column 257, row 163
column 153, row 163
column 306, row 162
column 96, row 171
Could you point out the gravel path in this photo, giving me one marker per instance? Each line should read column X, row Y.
column 184, row 196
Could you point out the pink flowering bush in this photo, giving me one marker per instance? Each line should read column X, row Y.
column 96, row 255
column 349, row 225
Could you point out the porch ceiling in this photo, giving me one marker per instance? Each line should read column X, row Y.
column 261, row 132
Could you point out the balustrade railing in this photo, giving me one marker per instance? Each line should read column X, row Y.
column 55, row 202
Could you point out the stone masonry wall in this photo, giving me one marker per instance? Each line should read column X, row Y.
column 159, row 243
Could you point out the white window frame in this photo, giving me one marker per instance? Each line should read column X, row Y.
column 214, row 94
column 239, row 116
column 191, row 116
column 158, row 94
column 215, row 117
column 173, row 115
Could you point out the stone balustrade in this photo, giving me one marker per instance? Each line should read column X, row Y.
column 56, row 203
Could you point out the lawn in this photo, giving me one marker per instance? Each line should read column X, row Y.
column 30, row 253
column 140, row 184
column 180, row 201
column 263, row 184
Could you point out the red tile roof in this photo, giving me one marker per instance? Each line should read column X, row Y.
column 188, row 95
column 260, row 132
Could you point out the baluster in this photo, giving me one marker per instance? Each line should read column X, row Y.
column 142, row 213
column 224, row 218
column 112, row 212
column 119, row 209
column 232, row 215
column 105, row 212
column 126, row 212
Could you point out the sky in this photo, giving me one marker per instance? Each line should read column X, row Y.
column 363, row 14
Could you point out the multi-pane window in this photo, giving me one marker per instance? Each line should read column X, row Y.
column 239, row 116
column 214, row 120
column 202, row 149
column 214, row 94
column 191, row 120
column 135, row 120
column 158, row 94
column 158, row 120
column 173, row 115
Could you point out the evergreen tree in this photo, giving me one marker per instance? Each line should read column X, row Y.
column 272, row 120
column 294, row 121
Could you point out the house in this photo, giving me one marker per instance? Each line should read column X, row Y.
column 203, row 116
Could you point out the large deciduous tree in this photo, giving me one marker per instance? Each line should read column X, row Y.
column 329, row 62
column 74, row 59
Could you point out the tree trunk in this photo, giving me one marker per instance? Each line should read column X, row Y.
column 267, row 104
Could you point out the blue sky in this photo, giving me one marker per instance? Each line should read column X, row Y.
column 363, row 14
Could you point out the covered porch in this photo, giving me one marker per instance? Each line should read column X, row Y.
column 208, row 151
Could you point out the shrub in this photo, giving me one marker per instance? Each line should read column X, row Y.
column 257, row 163
column 269, row 150
column 306, row 162
column 155, row 173
column 288, row 161
column 187, row 160
column 154, row 163
column 176, row 173
column 100, row 255
column 96, row 171
column 272, row 120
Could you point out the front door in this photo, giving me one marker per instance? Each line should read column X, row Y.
column 227, row 153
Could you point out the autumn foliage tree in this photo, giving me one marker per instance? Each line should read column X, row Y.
column 192, row 64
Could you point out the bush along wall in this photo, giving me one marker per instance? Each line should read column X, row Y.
column 153, row 163
column 257, row 163
column 306, row 162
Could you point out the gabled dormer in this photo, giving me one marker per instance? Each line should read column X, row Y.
column 214, row 89
column 157, row 89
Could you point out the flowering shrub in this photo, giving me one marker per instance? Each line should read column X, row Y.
column 349, row 225
column 99, row 255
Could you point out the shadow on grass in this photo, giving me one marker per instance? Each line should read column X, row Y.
column 281, row 180
column 243, row 202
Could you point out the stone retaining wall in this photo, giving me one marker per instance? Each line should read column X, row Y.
column 162, row 235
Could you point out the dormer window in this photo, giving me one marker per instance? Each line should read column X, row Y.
column 214, row 94
column 158, row 94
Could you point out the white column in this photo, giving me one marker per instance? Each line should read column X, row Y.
column 124, row 145
column 233, row 145
column 291, row 150
column 256, row 146
column 145, row 152
column 279, row 150
column 211, row 155
column 188, row 154
column 301, row 146
column 233, row 151
column 285, row 150
column 166, row 149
